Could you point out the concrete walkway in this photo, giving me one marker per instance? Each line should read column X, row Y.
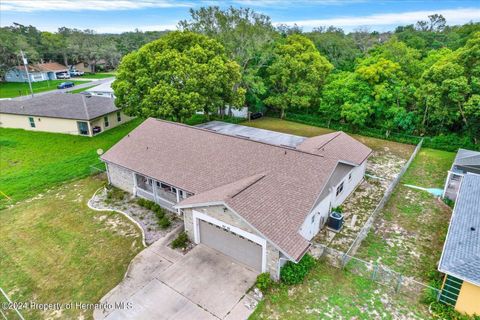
column 162, row 283
column 256, row 134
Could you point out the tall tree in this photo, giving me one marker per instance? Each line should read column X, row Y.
column 296, row 75
column 247, row 37
column 177, row 75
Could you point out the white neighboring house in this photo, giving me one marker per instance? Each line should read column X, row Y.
column 256, row 202
column 102, row 90
column 37, row 72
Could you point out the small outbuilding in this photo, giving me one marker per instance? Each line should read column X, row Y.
column 76, row 114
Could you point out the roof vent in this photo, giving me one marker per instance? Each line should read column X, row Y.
column 472, row 228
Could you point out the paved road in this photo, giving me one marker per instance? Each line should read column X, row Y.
column 77, row 86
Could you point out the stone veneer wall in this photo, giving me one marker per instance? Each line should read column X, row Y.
column 232, row 219
column 120, row 177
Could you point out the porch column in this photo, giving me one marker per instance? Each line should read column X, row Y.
column 134, row 184
column 446, row 183
column 154, row 189
column 178, row 199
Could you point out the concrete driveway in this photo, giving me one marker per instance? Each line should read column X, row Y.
column 261, row 135
column 164, row 284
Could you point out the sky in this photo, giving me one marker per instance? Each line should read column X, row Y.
column 116, row 16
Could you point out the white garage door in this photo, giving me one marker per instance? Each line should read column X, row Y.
column 231, row 244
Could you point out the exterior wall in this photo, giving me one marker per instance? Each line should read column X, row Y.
column 15, row 75
column 56, row 125
column 229, row 217
column 468, row 299
column 112, row 120
column 120, row 177
column 321, row 211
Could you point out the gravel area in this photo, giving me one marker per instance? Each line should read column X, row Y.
column 144, row 217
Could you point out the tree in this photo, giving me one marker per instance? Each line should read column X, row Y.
column 296, row 75
column 247, row 37
column 177, row 75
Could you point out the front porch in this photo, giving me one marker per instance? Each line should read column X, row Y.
column 159, row 192
column 453, row 184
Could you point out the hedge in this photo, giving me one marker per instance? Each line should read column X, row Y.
column 450, row 142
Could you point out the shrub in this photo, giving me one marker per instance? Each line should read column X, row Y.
column 164, row 222
column 264, row 282
column 141, row 202
column 159, row 211
column 448, row 202
column 293, row 273
column 181, row 241
column 147, row 204
column 338, row 209
column 115, row 194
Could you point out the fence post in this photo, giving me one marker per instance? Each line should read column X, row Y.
column 375, row 270
column 399, row 283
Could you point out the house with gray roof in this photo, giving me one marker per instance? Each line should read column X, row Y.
column 256, row 202
column 460, row 259
column 465, row 161
column 62, row 113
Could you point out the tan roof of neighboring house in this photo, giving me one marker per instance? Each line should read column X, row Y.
column 272, row 188
column 48, row 66
column 337, row 145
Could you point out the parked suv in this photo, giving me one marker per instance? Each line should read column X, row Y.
column 63, row 75
column 76, row 73
column 65, row 85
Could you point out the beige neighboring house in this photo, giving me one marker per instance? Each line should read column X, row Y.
column 256, row 202
column 76, row 114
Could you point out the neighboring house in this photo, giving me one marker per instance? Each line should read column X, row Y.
column 62, row 113
column 37, row 72
column 460, row 259
column 91, row 66
column 259, row 203
column 102, row 90
column 465, row 161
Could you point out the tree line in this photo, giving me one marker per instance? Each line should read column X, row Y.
column 67, row 46
column 420, row 79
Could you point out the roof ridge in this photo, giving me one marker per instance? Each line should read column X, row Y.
column 238, row 137
column 330, row 140
column 261, row 176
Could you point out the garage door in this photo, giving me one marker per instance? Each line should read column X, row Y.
column 231, row 244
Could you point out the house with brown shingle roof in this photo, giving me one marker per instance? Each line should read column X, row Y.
column 37, row 72
column 257, row 202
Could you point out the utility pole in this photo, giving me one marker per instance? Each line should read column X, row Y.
column 25, row 64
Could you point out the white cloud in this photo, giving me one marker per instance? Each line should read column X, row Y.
column 453, row 16
column 289, row 3
column 80, row 5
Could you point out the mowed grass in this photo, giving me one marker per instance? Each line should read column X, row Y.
column 31, row 162
column 330, row 293
column 400, row 149
column 54, row 249
column 409, row 233
column 98, row 75
column 15, row 89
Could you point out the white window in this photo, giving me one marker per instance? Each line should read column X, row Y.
column 340, row 188
column 32, row 122
column 313, row 219
column 119, row 116
column 105, row 121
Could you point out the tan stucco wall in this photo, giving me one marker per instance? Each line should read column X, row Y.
column 56, row 125
column 112, row 119
column 232, row 219
column 468, row 300
column 41, row 123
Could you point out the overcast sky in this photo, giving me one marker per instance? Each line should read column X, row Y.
column 127, row 15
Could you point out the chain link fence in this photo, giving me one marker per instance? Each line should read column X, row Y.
column 8, row 309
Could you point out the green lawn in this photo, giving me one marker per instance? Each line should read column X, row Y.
column 53, row 248
column 31, row 162
column 409, row 233
column 82, row 89
column 15, row 89
column 99, row 75
column 330, row 293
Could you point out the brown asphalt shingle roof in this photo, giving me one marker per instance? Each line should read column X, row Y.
column 61, row 105
column 337, row 145
column 48, row 66
column 273, row 188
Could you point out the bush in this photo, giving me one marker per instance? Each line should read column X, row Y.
column 294, row 273
column 338, row 209
column 147, row 204
column 181, row 241
column 115, row 194
column 448, row 202
column 264, row 282
column 164, row 222
column 159, row 211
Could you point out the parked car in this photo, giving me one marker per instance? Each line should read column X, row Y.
column 63, row 75
column 65, row 85
column 76, row 73
column 256, row 115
